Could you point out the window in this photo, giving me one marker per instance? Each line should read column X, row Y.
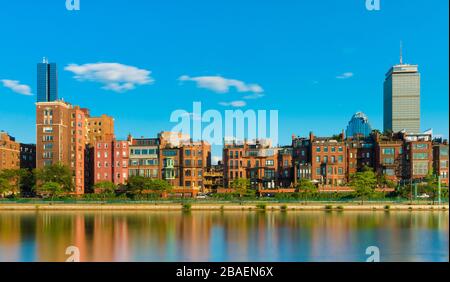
column 199, row 162
column 340, row 149
column 443, row 164
column 443, row 152
column 187, row 152
column 420, row 168
column 48, row 146
column 388, row 151
column 340, row 159
column 388, row 161
column 318, row 149
column 420, row 146
column 340, row 171
column 169, row 153
column 269, row 163
column 420, row 156
column 48, row 129
column 318, row 159
column 333, row 149
column 389, row 172
column 325, row 149
column 187, row 162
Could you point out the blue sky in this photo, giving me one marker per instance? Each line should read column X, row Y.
column 317, row 62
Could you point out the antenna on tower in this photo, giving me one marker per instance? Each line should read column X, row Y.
column 401, row 53
column 45, row 60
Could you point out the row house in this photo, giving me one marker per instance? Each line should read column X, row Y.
column 255, row 160
column 328, row 160
column 440, row 160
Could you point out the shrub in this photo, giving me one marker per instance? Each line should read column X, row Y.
column 328, row 207
column 187, row 207
column 261, row 206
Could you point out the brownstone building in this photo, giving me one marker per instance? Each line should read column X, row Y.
column 256, row 161
column 440, row 160
column 9, row 152
column 389, row 157
column 328, row 160
column 419, row 155
column 360, row 153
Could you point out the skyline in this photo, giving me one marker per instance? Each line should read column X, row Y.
column 273, row 55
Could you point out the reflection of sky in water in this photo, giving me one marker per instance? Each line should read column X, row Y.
column 229, row 236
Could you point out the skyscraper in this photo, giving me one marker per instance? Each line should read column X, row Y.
column 402, row 98
column 358, row 126
column 47, row 82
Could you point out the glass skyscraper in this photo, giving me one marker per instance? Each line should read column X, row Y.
column 402, row 99
column 47, row 82
column 358, row 126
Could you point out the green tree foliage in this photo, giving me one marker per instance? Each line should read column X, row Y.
column 57, row 173
column 242, row 187
column 50, row 189
column 139, row 185
column 364, row 183
column 14, row 181
column 105, row 187
column 306, row 188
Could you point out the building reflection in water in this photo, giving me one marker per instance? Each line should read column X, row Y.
column 227, row 236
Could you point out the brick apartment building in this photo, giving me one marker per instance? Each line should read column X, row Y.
column 111, row 159
column 62, row 136
column 9, row 152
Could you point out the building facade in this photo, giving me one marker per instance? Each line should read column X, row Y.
column 28, row 156
column 358, row 126
column 47, row 82
column 440, row 160
column 111, row 161
column 9, row 152
column 402, row 99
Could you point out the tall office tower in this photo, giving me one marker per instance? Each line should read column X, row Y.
column 402, row 98
column 61, row 131
column 47, row 82
column 358, row 126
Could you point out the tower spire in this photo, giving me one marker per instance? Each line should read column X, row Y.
column 401, row 53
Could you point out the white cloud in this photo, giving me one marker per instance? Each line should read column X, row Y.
column 15, row 86
column 222, row 85
column 115, row 77
column 236, row 104
column 345, row 75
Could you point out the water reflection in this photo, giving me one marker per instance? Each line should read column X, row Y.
column 229, row 236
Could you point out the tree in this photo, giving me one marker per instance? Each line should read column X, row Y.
column 138, row 185
column 242, row 187
column 50, row 189
column 6, row 188
column 57, row 173
column 364, row 183
column 106, row 188
column 431, row 186
column 306, row 188
column 10, row 182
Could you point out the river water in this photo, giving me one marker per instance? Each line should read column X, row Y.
column 223, row 236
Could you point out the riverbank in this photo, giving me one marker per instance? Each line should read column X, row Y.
column 227, row 207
